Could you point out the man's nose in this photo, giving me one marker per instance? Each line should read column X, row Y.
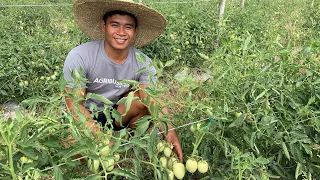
column 121, row 30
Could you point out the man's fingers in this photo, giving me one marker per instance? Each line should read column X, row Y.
column 178, row 150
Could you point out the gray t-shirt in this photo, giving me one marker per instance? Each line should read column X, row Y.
column 102, row 73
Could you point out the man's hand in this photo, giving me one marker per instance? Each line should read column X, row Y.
column 173, row 139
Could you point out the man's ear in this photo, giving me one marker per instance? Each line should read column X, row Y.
column 103, row 26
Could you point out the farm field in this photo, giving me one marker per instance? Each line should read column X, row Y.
column 244, row 95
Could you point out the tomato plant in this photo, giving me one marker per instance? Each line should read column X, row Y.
column 250, row 90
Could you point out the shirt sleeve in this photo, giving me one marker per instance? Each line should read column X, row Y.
column 74, row 65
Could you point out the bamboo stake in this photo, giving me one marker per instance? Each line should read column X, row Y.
column 221, row 11
column 242, row 4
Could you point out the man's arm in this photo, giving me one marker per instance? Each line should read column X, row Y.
column 172, row 136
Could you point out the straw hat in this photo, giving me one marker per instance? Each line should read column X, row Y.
column 89, row 13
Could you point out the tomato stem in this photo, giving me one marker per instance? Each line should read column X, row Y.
column 13, row 174
column 197, row 144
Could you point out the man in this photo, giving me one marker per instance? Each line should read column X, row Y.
column 116, row 27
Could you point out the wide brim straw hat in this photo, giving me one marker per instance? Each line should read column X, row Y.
column 89, row 13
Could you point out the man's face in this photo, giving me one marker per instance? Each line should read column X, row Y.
column 119, row 31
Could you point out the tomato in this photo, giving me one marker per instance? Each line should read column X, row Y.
column 108, row 164
column 42, row 77
column 238, row 114
column 171, row 175
column 117, row 156
column 21, row 84
column 193, row 128
column 164, row 162
column 104, row 151
column 199, row 126
column 179, row 170
column 160, row 146
column 191, row 165
column 167, row 151
column 93, row 166
column 53, row 77
column 171, row 146
column 203, row 166
column 171, row 162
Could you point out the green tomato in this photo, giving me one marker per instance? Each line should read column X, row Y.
column 238, row 114
column 179, row 170
column 53, row 77
column 93, row 165
column 42, row 77
column 105, row 151
column 191, row 165
column 199, row 126
column 164, row 162
column 167, row 151
column 21, row 84
column 26, row 83
column 171, row 175
column 117, row 156
column 193, row 128
column 171, row 162
column 203, row 166
column 160, row 146
column 108, row 164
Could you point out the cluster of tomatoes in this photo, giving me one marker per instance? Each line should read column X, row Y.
column 176, row 168
column 105, row 160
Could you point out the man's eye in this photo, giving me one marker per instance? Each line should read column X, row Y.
column 114, row 25
column 128, row 27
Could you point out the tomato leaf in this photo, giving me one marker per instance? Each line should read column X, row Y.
column 3, row 92
column 98, row 97
column 141, row 128
column 262, row 160
column 285, row 150
column 33, row 101
column 137, row 167
column 124, row 173
column 18, row 115
column 93, row 177
column 128, row 102
column 140, row 58
column 141, row 70
column 57, row 173
column 169, row 63
column 77, row 150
